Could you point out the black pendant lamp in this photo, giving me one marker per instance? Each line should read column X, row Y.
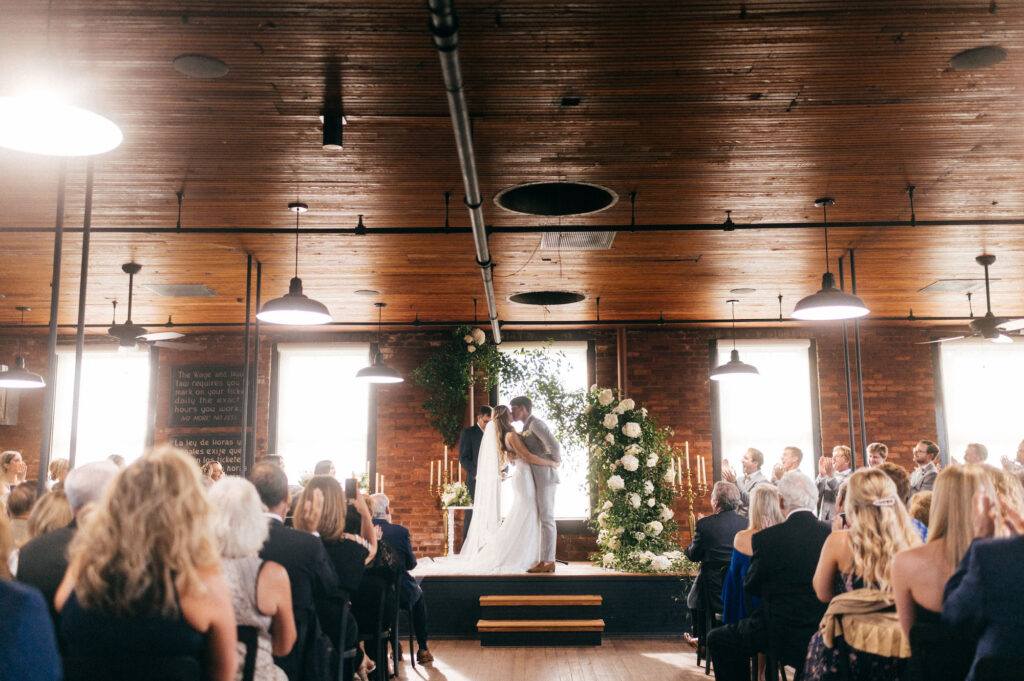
column 829, row 303
column 378, row 372
column 294, row 308
column 18, row 377
column 734, row 368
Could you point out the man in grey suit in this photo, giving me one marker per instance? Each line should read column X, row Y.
column 539, row 440
column 923, row 477
column 752, row 461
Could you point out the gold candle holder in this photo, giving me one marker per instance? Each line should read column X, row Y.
column 437, row 491
column 691, row 492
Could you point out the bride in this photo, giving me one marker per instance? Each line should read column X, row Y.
column 493, row 545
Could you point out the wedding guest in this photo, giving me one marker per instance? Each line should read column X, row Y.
column 781, row 570
column 411, row 595
column 213, row 471
column 29, row 650
column 763, row 513
column 12, row 473
column 1015, row 465
column 469, row 451
column 325, row 467
column 857, row 563
column 925, row 455
column 58, row 471
column 878, row 452
column 117, row 460
column 50, row 513
column 751, row 478
column 791, row 458
column 19, row 506
column 144, row 578
column 260, row 590
column 310, row 572
column 832, row 471
column 1006, row 484
column 975, row 452
column 711, row 546
column 43, row 561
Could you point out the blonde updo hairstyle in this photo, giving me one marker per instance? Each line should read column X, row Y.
column 148, row 539
column 879, row 526
column 332, row 522
column 764, row 508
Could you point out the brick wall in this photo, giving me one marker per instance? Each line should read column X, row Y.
column 667, row 371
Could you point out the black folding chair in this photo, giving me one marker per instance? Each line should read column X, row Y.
column 249, row 637
column 151, row 668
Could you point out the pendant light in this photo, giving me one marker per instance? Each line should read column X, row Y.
column 18, row 376
column 41, row 122
column 829, row 303
column 378, row 372
column 294, row 308
column 734, row 368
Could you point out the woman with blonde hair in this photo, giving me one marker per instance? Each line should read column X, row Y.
column 764, row 511
column 52, row 512
column 144, row 579
column 58, row 473
column 856, row 564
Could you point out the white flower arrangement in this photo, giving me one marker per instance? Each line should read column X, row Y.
column 609, row 438
column 670, row 474
column 470, row 348
column 648, row 487
column 654, row 528
column 634, row 499
column 639, row 536
column 634, row 450
column 611, row 421
column 631, row 429
column 615, row 483
column 456, row 494
column 607, row 505
column 608, row 559
column 468, row 338
column 652, row 460
column 627, row 404
column 652, row 502
column 605, row 397
column 630, row 463
column 602, row 519
column 666, row 513
column 478, row 336
column 660, row 563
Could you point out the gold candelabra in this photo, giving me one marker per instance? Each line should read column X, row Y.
column 686, row 488
column 436, row 488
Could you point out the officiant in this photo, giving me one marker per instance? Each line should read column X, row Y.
column 469, row 450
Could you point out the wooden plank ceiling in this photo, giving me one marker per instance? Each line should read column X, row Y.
column 753, row 107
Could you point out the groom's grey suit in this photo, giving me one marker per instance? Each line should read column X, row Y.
column 539, row 440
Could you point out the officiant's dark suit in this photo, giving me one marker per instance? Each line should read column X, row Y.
column 469, row 450
column 712, row 546
column 781, row 574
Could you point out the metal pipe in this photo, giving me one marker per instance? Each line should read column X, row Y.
column 254, row 385
column 245, row 364
column 444, row 26
column 532, row 229
column 846, row 365
column 83, row 280
column 46, row 439
column 860, row 371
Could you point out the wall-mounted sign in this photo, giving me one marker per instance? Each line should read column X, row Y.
column 206, row 396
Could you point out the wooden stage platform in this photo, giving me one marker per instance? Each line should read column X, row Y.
column 633, row 604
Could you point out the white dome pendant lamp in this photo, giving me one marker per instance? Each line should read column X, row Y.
column 734, row 368
column 829, row 303
column 294, row 308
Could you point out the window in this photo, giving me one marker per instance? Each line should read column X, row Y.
column 981, row 384
column 572, row 500
column 322, row 410
column 769, row 412
column 112, row 404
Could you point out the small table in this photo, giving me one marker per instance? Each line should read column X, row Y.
column 449, row 527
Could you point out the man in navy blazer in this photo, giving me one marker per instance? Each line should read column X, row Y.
column 469, row 450
column 410, row 594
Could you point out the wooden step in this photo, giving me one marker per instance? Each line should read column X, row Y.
column 492, row 626
column 553, row 601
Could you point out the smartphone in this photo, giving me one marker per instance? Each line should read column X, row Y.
column 351, row 489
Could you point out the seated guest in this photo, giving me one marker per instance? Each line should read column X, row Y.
column 781, row 571
column 1015, row 465
column 901, row 479
column 378, row 592
column 325, row 467
column 832, row 471
column 43, row 561
column 926, row 455
column 29, row 650
column 751, row 478
column 57, row 472
column 50, row 513
column 982, row 602
column 839, row 519
column 857, row 563
column 213, row 471
column 921, row 506
column 877, row 454
column 712, row 548
column 12, row 473
column 19, row 506
column 410, row 595
column 117, row 460
column 144, row 579
column 764, row 513
column 260, row 591
column 1006, row 484
column 791, row 458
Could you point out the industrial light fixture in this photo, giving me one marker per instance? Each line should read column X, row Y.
column 378, row 372
column 734, row 368
column 294, row 308
column 18, row 377
column 333, row 127
column 829, row 303
column 42, row 122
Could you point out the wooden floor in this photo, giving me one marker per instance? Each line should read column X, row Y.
column 619, row 659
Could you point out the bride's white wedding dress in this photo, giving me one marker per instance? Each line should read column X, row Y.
column 492, row 545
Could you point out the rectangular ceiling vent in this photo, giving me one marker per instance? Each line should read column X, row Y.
column 962, row 286
column 577, row 241
column 180, row 290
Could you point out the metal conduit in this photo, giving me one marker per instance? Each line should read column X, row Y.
column 444, row 27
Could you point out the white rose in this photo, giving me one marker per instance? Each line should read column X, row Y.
column 661, row 563
column 608, row 559
column 602, row 519
column 631, row 429
column 618, row 410
column 634, row 500
column 627, row 404
column 670, row 475
column 468, row 338
column 666, row 512
column 615, row 483
column 634, row 449
column 611, row 421
column 618, row 530
column 654, row 528
column 648, row 487
column 609, row 438
column 470, row 348
column 630, row 463
column 644, row 412
column 478, row 336
column 640, row 536
column 613, row 543
column 605, row 397
column 651, row 502
column 607, row 505
column 652, row 460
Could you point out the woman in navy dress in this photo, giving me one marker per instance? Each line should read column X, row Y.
column 764, row 512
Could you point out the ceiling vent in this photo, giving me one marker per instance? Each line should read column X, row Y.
column 546, row 298
column 955, row 286
column 576, row 241
column 556, row 199
column 180, row 290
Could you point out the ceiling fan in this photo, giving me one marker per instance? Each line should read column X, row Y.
column 129, row 334
column 989, row 327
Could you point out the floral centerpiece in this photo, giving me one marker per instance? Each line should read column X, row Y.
column 632, row 464
column 456, row 494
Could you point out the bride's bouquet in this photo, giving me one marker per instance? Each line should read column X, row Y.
column 632, row 463
column 455, row 494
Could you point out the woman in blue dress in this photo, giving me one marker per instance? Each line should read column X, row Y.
column 764, row 512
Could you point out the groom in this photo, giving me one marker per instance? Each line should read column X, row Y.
column 539, row 440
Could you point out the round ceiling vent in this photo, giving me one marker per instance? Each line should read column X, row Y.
column 556, row 198
column 546, row 298
column 200, row 66
column 978, row 58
